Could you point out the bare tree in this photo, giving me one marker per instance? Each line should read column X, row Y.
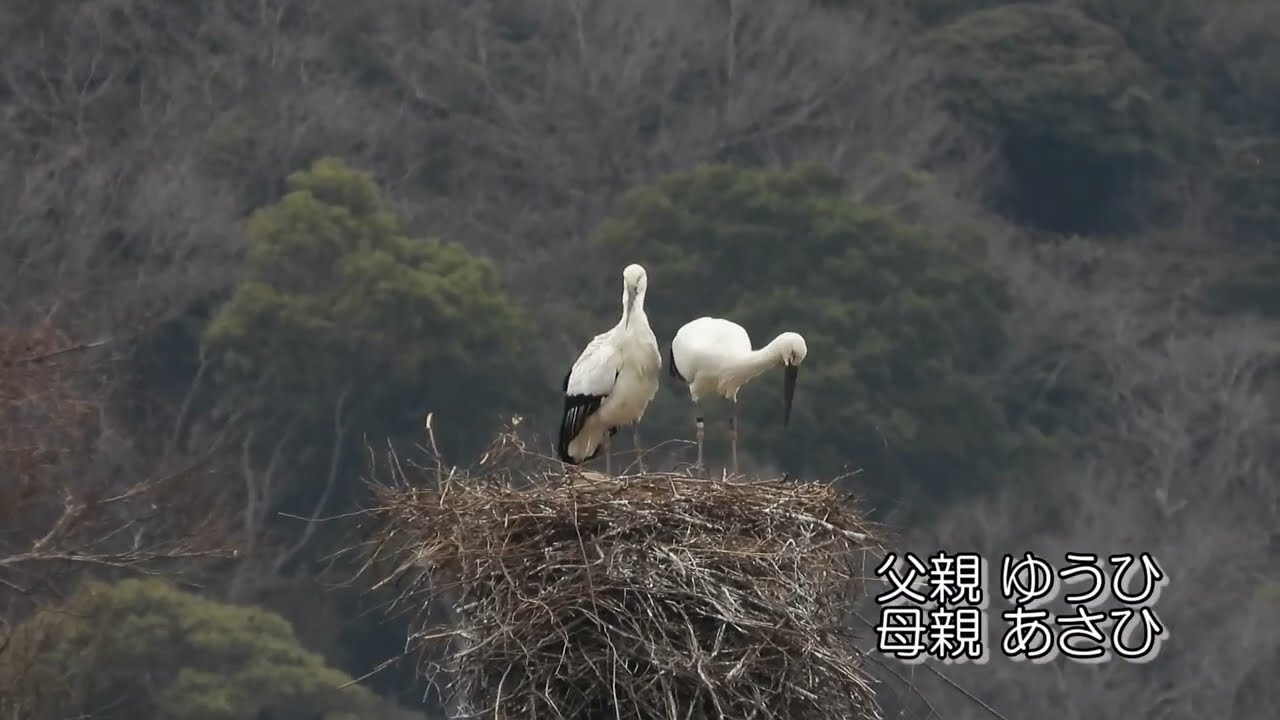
column 75, row 500
column 1181, row 465
column 109, row 210
column 145, row 132
column 562, row 104
column 267, row 551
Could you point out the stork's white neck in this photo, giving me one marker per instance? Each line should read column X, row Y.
column 745, row 368
column 638, row 339
column 634, row 312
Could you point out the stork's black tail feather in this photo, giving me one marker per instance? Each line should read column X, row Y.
column 671, row 365
column 563, row 439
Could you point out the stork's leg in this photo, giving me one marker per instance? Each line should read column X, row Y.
column 608, row 454
column 698, row 423
column 635, row 442
column 733, row 437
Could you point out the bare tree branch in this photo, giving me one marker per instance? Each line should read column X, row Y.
column 338, row 440
column 1181, row 464
column 60, row 501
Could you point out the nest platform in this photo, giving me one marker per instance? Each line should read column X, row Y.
column 646, row 596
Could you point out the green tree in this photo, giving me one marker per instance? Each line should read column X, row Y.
column 1081, row 119
column 1250, row 186
column 1162, row 32
column 144, row 649
column 1249, row 182
column 903, row 334
column 934, row 12
column 337, row 305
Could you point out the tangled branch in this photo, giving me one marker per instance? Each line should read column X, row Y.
column 654, row 595
column 60, row 504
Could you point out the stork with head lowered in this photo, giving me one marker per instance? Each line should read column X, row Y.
column 713, row 357
column 613, row 381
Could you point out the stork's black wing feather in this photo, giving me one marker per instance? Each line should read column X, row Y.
column 577, row 408
column 586, row 385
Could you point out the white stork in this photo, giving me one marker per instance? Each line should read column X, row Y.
column 613, row 380
column 713, row 356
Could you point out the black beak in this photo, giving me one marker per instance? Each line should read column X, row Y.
column 790, row 372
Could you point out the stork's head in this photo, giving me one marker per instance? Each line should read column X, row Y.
column 792, row 351
column 634, row 283
column 634, row 279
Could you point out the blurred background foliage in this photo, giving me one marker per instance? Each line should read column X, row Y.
column 1032, row 246
column 143, row 648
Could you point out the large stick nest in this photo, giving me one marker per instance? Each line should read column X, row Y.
column 649, row 595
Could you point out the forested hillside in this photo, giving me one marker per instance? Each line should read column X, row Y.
column 1034, row 248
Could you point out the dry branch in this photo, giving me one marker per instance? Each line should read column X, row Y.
column 62, row 503
column 656, row 595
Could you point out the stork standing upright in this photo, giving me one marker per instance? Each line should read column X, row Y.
column 713, row 356
column 613, row 380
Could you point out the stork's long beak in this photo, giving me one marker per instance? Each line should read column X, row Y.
column 631, row 304
column 790, row 373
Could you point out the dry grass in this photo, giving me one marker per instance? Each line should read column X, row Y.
column 652, row 595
